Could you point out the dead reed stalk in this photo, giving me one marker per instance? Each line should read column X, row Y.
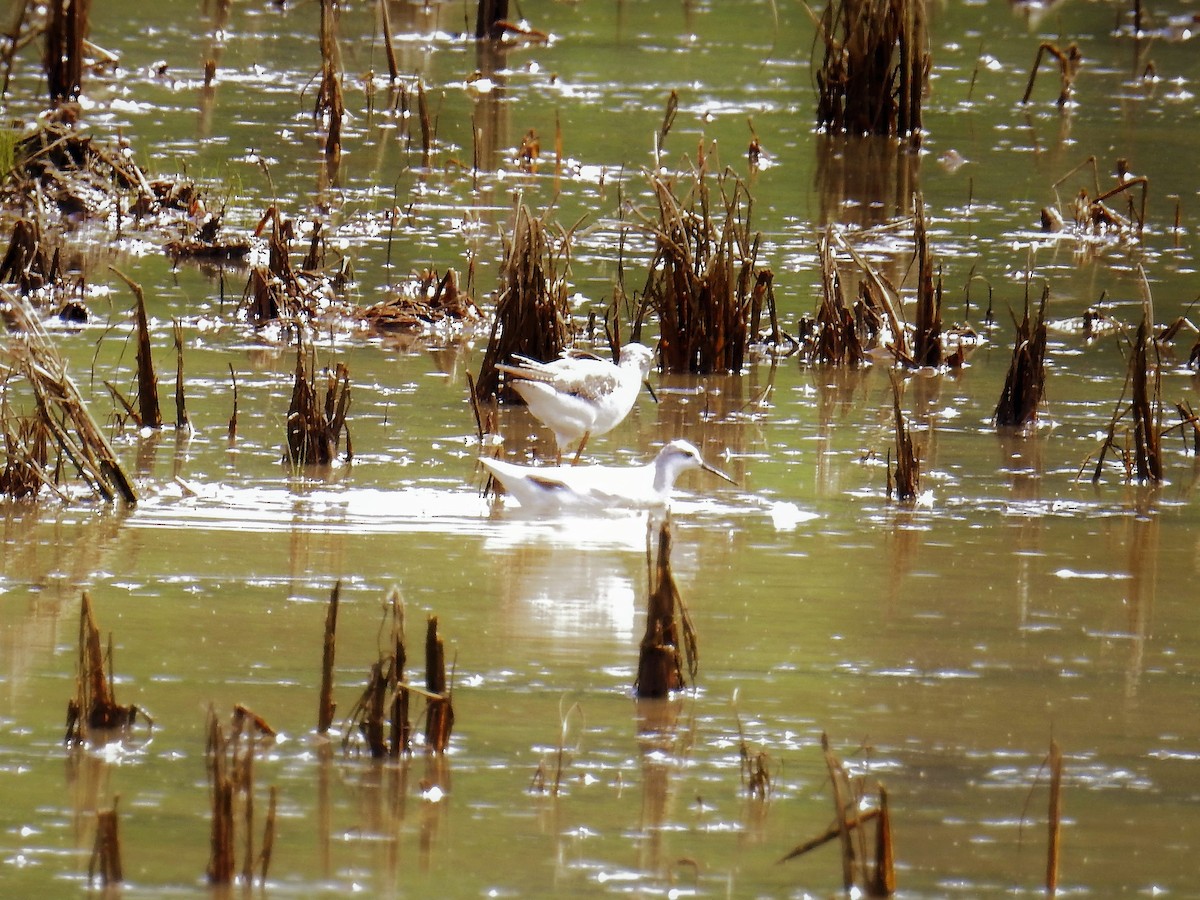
column 385, row 23
column 66, row 34
column 315, row 424
column 702, row 282
column 94, row 707
column 60, row 407
column 1144, row 384
column 756, row 777
column 325, row 706
column 149, row 411
column 905, row 480
column 836, row 341
column 533, row 315
column 666, row 641
column 875, row 67
column 1026, row 378
column 439, row 711
column 1054, row 819
column 387, row 695
column 1069, row 62
column 181, row 416
column 26, row 262
column 873, row 878
column 330, row 104
column 105, row 861
column 1146, row 407
column 26, row 452
column 490, row 18
column 230, row 764
column 927, row 329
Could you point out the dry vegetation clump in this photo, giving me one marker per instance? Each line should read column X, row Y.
column 670, row 636
column 1026, row 378
column 315, row 423
column 1092, row 214
column 875, row 67
column 93, row 713
column 533, row 315
column 293, row 295
column 380, row 717
column 867, row 870
column 704, row 284
column 59, row 170
column 426, row 304
column 229, row 758
column 58, row 418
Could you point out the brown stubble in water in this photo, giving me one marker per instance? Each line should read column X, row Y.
column 94, row 707
column 905, row 480
column 1026, row 379
column 666, row 642
column 533, row 315
column 231, row 776
column 848, row 828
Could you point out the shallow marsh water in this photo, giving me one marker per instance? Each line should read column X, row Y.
column 954, row 639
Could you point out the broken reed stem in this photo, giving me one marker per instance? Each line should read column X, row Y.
column 148, row 409
column 832, row 833
column 1146, row 407
column 264, row 857
column 439, row 711
column 401, row 730
column 233, row 417
column 927, row 330
column 878, row 880
column 426, row 126
column 231, row 773
column 105, row 860
column 326, row 706
column 370, row 715
column 488, row 18
column 66, row 34
column 181, row 416
column 837, row 338
column 1069, row 62
column 883, row 877
column 94, row 707
column 221, row 834
column 907, row 473
column 385, row 23
column 1055, row 819
column 1026, row 379
column 838, row 782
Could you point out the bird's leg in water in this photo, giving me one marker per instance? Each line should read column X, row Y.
column 582, row 444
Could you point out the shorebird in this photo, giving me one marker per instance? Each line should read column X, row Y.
column 646, row 486
column 579, row 395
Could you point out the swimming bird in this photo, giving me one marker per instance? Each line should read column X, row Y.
column 579, row 395
column 646, row 486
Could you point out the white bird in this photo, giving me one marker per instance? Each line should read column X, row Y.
column 646, row 486
column 579, row 395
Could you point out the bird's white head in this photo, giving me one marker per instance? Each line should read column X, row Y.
column 677, row 457
column 639, row 357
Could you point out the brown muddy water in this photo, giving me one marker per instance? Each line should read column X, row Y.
column 941, row 646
